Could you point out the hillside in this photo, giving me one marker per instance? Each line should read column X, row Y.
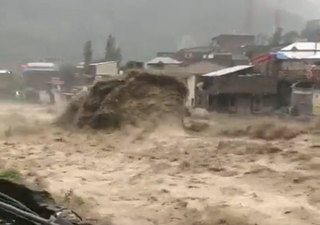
column 42, row 28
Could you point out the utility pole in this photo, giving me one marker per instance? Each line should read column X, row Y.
column 277, row 16
column 249, row 17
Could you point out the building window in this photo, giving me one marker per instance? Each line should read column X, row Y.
column 188, row 55
column 214, row 43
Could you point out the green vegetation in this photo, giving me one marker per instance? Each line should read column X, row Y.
column 112, row 52
column 87, row 53
column 10, row 174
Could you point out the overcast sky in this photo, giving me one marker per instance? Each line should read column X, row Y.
column 31, row 29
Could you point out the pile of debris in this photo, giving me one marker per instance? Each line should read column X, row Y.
column 138, row 98
column 29, row 204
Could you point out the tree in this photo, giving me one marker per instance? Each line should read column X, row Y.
column 276, row 37
column 119, row 54
column 87, row 53
column 290, row 37
column 112, row 52
column 311, row 32
column 262, row 39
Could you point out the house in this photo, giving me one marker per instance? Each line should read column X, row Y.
column 36, row 75
column 299, row 51
column 263, row 57
column 240, row 59
column 232, row 42
column 199, row 68
column 266, row 63
column 132, row 65
column 189, row 73
column 195, row 70
column 39, row 66
column 290, row 64
column 102, row 68
column 8, row 83
column 301, row 99
column 107, row 68
column 166, row 54
column 227, row 59
column 299, row 77
column 311, row 31
column 294, row 63
column 98, row 71
column 305, row 99
column 237, row 89
column 162, row 64
column 193, row 54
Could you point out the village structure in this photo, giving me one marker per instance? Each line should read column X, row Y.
column 234, row 73
column 222, row 128
column 223, row 78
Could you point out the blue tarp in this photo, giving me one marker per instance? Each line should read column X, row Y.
column 282, row 55
column 297, row 55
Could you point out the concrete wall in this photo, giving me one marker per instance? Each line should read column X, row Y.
column 107, row 68
column 191, row 83
column 243, row 105
column 244, row 85
column 302, row 99
column 316, row 103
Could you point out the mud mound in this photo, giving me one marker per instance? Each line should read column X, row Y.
column 68, row 115
column 140, row 99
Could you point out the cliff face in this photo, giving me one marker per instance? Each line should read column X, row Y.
column 36, row 28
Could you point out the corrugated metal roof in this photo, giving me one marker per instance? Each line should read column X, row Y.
column 315, row 56
column 164, row 60
column 39, row 69
column 303, row 92
column 300, row 50
column 227, row 70
column 267, row 57
column 5, row 72
column 302, row 46
column 98, row 63
column 199, row 49
column 197, row 68
column 170, row 73
column 202, row 67
column 298, row 55
column 41, row 64
column 232, row 56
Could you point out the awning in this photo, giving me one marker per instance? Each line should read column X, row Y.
column 228, row 70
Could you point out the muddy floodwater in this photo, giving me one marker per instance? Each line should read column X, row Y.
column 169, row 177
